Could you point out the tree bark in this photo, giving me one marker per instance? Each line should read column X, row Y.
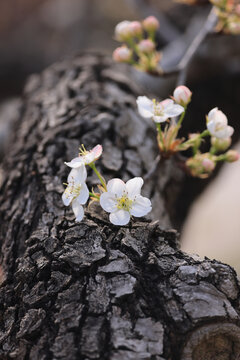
column 93, row 290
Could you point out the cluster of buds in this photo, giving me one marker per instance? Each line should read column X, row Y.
column 228, row 12
column 163, row 113
column 139, row 45
column 121, row 200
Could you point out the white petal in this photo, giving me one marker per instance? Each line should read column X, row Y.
column 75, row 163
column 212, row 113
column 82, row 198
column 134, row 187
column 97, row 150
column 230, row 131
column 67, row 197
column 211, row 127
column 174, row 110
column 145, row 106
column 160, row 119
column 78, row 210
column 108, row 202
column 166, row 104
column 141, row 206
column 116, row 186
column 119, row 217
column 78, row 176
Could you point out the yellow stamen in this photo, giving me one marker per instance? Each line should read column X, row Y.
column 124, row 203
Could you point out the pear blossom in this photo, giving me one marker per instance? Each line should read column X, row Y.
column 123, row 200
column 122, row 31
column 146, row 46
column 85, row 157
column 182, row 95
column 76, row 192
column 158, row 111
column 217, row 124
column 232, row 155
column 151, row 23
column 122, row 54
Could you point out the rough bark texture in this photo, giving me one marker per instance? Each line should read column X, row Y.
column 93, row 290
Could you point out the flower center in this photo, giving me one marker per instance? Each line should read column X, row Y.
column 157, row 108
column 73, row 190
column 124, row 203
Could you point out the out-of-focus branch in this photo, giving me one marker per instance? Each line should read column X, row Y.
column 181, row 68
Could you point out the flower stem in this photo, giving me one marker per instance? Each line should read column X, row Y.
column 181, row 118
column 204, row 133
column 94, row 195
column 92, row 166
column 160, row 134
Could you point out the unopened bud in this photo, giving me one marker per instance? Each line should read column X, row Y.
column 151, row 23
column 122, row 31
column 122, row 54
column 220, row 145
column 146, row 46
column 182, row 95
column 237, row 9
column 135, row 29
column 208, row 165
column 232, row 155
column 233, row 28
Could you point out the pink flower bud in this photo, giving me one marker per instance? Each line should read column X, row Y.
column 182, row 95
column 146, row 46
column 151, row 23
column 122, row 31
column 233, row 28
column 208, row 165
column 122, row 54
column 135, row 28
column 232, row 155
column 237, row 10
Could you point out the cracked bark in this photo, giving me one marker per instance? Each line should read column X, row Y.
column 93, row 290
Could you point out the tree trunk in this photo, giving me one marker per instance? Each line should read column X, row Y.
column 92, row 290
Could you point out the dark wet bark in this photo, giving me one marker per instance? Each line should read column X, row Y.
column 93, row 290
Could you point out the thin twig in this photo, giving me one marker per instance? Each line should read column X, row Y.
column 181, row 68
column 153, row 168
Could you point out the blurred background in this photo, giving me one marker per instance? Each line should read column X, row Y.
column 36, row 33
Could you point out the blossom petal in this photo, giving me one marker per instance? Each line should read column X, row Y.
column 160, row 119
column 141, row 206
column 174, row 110
column 119, row 217
column 75, row 163
column 77, row 209
column 84, row 194
column 116, row 186
column 167, row 103
column 97, row 150
column 230, row 131
column 108, row 202
column 78, row 176
column 67, row 197
column 145, row 106
column 134, row 187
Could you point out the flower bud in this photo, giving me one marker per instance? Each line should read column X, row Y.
column 135, row 29
column 208, row 165
column 151, row 23
column 182, row 95
column 146, row 46
column 232, row 155
column 195, row 139
column 122, row 31
column 233, row 28
column 237, row 9
column 122, row 54
column 221, row 145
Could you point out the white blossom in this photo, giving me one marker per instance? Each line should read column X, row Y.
column 77, row 192
column 217, row 124
column 158, row 111
column 85, row 157
column 182, row 95
column 123, row 200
